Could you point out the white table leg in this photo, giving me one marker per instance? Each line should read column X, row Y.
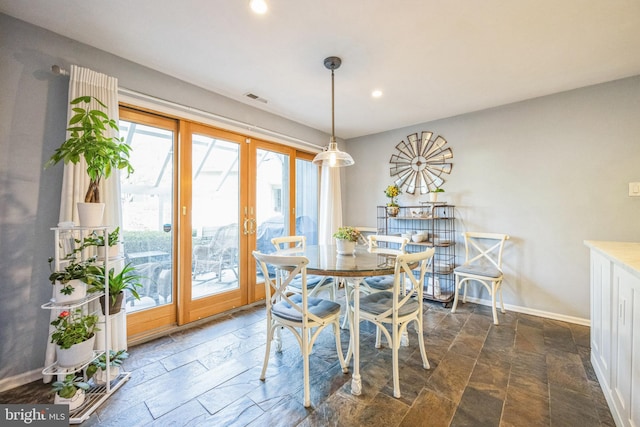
column 356, row 381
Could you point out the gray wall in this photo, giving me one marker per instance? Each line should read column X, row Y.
column 551, row 172
column 32, row 125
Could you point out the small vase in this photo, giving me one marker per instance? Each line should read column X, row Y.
column 76, row 355
column 114, row 307
column 393, row 210
column 433, row 197
column 79, row 291
column 74, row 402
column 90, row 214
column 345, row 247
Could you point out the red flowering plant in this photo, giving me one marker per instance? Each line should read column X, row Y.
column 73, row 327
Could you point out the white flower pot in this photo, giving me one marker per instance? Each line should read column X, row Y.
column 79, row 291
column 76, row 355
column 90, row 214
column 433, row 197
column 345, row 247
column 100, row 376
column 74, row 402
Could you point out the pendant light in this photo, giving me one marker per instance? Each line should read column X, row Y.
column 331, row 156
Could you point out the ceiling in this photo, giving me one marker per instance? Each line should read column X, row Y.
column 431, row 58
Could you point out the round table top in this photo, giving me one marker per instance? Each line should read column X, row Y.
column 324, row 260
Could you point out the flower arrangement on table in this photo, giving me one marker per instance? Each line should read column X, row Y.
column 73, row 327
column 392, row 191
column 348, row 233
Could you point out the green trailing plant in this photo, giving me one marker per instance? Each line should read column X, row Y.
column 347, row 233
column 116, row 359
column 73, row 327
column 126, row 280
column 68, row 387
column 97, row 239
column 82, row 270
column 88, row 139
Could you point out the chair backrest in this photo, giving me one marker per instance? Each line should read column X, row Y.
column 290, row 268
column 408, row 283
column 289, row 242
column 398, row 242
column 484, row 248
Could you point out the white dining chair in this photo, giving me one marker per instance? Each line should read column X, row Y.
column 303, row 315
column 483, row 264
column 400, row 306
column 315, row 283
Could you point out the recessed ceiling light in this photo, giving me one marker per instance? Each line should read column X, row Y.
column 258, row 6
column 376, row 93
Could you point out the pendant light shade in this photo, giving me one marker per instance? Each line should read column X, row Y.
column 331, row 156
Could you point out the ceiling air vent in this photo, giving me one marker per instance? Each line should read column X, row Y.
column 255, row 97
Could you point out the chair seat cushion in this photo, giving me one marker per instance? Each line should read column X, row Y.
column 380, row 302
column 479, row 270
column 380, row 283
column 312, row 281
column 317, row 306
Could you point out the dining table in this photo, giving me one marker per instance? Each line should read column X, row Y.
column 324, row 260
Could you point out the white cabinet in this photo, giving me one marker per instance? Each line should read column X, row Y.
column 615, row 326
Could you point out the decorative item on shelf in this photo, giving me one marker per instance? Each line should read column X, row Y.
column 70, row 391
column 392, row 191
column 102, row 154
column 74, row 336
column 433, row 194
column 126, row 280
column 346, row 239
column 420, row 163
column 71, row 282
column 98, row 368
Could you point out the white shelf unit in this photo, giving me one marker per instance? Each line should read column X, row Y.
column 438, row 219
column 65, row 241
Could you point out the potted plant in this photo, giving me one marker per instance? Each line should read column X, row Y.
column 98, row 368
column 98, row 240
column 70, row 391
column 71, row 282
column 392, row 191
column 125, row 280
column 74, row 336
column 102, row 153
column 346, row 238
column 433, row 194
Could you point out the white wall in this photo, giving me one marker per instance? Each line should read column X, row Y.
column 551, row 172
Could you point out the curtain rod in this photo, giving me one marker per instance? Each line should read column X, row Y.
column 55, row 69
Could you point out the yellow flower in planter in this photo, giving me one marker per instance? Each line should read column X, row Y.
column 392, row 192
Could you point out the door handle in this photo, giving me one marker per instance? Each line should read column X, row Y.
column 253, row 226
column 244, row 226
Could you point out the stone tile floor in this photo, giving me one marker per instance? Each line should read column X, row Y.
column 528, row 371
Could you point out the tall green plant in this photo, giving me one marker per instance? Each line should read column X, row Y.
column 87, row 139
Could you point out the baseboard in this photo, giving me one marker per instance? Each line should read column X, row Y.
column 534, row 312
column 21, row 379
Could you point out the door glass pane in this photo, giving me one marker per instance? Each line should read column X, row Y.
column 147, row 202
column 215, row 204
column 307, row 200
column 272, row 198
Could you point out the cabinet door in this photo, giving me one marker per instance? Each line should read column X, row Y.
column 601, row 315
column 625, row 367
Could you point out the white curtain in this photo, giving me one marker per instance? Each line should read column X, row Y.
column 75, row 182
column 330, row 205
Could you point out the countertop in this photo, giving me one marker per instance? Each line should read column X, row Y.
column 626, row 254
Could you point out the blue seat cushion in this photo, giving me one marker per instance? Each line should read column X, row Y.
column 317, row 306
column 312, row 281
column 479, row 270
column 380, row 302
column 380, row 283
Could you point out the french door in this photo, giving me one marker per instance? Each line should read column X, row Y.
column 194, row 210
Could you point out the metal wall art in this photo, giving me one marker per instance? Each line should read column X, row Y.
column 420, row 163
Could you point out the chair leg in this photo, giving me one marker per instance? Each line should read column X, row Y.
column 456, row 293
column 277, row 337
column 423, row 352
column 305, row 363
column 336, row 332
column 501, row 300
column 270, row 330
column 394, row 359
column 493, row 306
